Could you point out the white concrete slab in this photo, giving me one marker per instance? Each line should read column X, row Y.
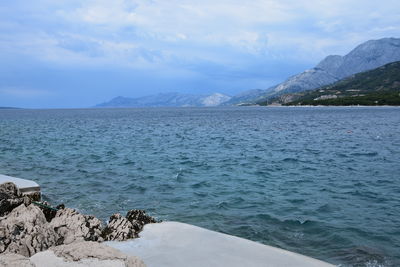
column 23, row 184
column 181, row 245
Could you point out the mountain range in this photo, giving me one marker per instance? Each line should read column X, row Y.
column 367, row 56
column 380, row 86
column 167, row 100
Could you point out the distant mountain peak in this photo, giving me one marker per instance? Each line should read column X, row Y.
column 366, row 56
column 380, row 86
column 215, row 99
column 330, row 62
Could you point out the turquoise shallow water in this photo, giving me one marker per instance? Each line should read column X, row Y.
column 324, row 182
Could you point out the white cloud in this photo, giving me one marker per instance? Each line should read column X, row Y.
column 147, row 32
column 218, row 44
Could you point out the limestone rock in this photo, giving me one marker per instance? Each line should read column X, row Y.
column 139, row 217
column 122, row 228
column 119, row 228
column 25, row 231
column 81, row 250
column 49, row 211
column 10, row 198
column 34, row 196
column 14, row 260
column 10, row 189
column 27, row 228
column 80, row 254
column 72, row 226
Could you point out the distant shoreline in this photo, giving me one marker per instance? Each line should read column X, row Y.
column 355, row 106
column 9, row 108
column 217, row 107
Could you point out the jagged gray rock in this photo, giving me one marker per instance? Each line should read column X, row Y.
column 10, row 190
column 10, row 198
column 72, row 226
column 139, row 217
column 122, row 228
column 49, row 211
column 25, row 231
column 119, row 228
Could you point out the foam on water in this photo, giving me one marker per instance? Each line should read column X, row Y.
column 316, row 181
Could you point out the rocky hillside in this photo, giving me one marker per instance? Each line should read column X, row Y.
column 167, row 100
column 369, row 55
column 246, row 97
column 380, row 86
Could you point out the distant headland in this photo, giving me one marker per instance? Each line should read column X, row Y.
column 9, row 108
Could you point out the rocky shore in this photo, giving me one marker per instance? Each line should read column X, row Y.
column 28, row 227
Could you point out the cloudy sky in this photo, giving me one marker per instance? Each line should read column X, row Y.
column 70, row 53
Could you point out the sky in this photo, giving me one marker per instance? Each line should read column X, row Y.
column 74, row 54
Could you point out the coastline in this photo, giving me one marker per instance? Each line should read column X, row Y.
column 319, row 106
column 64, row 234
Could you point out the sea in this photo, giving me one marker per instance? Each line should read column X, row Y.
column 320, row 181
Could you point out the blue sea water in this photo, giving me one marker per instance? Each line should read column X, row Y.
column 324, row 182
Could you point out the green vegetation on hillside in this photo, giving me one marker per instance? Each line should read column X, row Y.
column 391, row 98
column 379, row 86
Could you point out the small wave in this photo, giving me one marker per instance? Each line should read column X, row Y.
column 296, row 201
column 94, row 157
column 223, row 205
column 293, row 160
column 382, row 181
column 366, row 154
column 135, row 188
column 299, row 222
column 364, row 256
column 165, row 187
column 128, row 162
column 285, row 222
column 308, row 169
column 201, row 194
column 326, row 208
column 264, row 216
column 237, row 200
column 200, row 184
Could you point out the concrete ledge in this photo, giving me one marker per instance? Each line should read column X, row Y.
column 24, row 186
column 180, row 245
